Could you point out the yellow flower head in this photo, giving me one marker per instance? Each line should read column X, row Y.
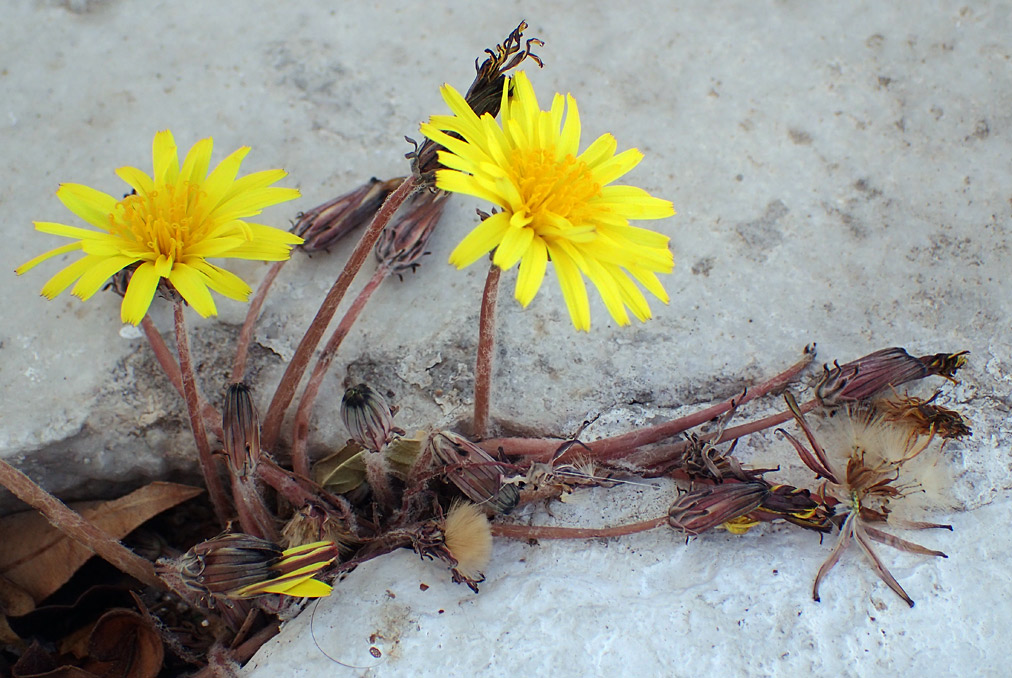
column 171, row 224
column 556, row 203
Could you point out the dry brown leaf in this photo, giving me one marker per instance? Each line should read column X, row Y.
column 39, row 559
column 124, row 643
column 14, row 600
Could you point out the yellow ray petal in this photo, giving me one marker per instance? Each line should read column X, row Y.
column 166, row 158
column 91, row 205
column 139, row 294
column 97, row 275
column 136, row 179
column 192, row 285
column 64, row 277
column 532, row 271
column 514, row 245
column 35, row 261
column 574, row 292
column 197, row 160
column 222, row 281
column 480, row 241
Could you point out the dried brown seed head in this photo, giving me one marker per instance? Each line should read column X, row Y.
column 922, row 417
column 468, row 538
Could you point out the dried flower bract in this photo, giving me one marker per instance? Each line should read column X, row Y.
column 474, row 471
column 240, row 426
column 403, row 243
column 324, row 225
column 483, row 96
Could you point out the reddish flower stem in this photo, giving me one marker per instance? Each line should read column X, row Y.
column 658, row 456
column 736, row 432
column 77, row 527
column 215, row 488
column 297, row 367
column 299, row 491
column 545, row 532
column 171, row 368
column 483, row 361
column 542, row 449
column 254, row 517
column 246, row 333
column 300, row 433
column 162, row 353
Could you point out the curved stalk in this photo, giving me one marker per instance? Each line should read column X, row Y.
column 300, row 434
column 542, row 449
column 212, row 478
column 246, row 333
column 297, row 367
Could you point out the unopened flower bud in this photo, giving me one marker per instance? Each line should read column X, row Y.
column 241, row 566
column 240, row 426
column 474, row 471
column 368, row 417
column 325, row 224
column 705, row 508
column 402, row 243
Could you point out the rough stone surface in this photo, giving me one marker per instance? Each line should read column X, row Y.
column 840, row 173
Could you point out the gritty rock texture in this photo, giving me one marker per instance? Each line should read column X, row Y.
column 840, row 175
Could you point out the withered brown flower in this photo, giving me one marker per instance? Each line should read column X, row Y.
column 483, row 96
column 861, row 476
column 474, row 471
column 923, row 417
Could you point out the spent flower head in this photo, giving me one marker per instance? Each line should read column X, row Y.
column 483, row 96
column 862, row 462
column 556, row 203
column 241, row 566
column 168, row 227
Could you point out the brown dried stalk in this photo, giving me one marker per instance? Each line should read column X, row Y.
column 546, row 532
column 300, row 434
column 78, row 528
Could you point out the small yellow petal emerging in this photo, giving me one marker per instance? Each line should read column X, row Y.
column 167, row 227
column 554, row 201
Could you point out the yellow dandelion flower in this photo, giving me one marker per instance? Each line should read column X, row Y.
column 169, row 226
column 556, row 204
